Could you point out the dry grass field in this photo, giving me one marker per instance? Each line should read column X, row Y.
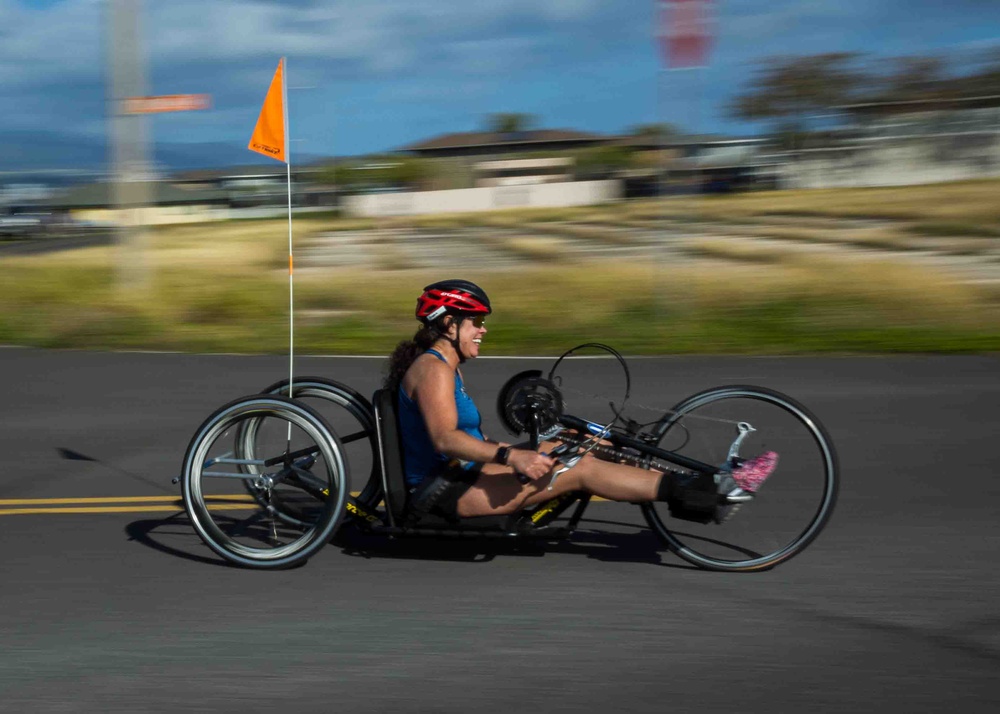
column 744, row 288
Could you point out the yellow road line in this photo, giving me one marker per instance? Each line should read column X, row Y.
column 111, row 499
column 143, row 504
column 119, row 509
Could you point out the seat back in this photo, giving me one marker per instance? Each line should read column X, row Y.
column 390, row 449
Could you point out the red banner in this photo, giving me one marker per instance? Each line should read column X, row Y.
column 684, row 32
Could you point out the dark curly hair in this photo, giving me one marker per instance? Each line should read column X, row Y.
column 408, row 350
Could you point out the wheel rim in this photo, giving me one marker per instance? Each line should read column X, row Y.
column 791, row 507
column 232, row 522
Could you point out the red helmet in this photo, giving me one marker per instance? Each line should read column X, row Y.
column 452, row 297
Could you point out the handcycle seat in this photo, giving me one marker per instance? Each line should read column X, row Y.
column 397, row 493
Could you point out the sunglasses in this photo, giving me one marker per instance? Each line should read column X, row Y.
column 478, row 321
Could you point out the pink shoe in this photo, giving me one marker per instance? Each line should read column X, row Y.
column 753, row 472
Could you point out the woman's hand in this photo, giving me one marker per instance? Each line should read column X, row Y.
column 530, row 463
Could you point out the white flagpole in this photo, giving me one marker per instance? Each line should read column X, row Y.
column 291, row 263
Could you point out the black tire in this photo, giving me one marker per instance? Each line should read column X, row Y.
column 352, row 418
column 242, row 528
column 791, row 507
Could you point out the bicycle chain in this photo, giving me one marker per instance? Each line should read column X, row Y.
column 617, row 455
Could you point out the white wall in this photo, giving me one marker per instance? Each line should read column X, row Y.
column 574, row 193
column 153, row 215
column 170, row 215
column 892, row 163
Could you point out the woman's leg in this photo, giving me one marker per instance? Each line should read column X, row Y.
column 498, row 492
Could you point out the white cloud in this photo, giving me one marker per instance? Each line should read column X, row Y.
column 763, row 21
column 438, row 56
column 66, row 41
column 569, row 9
column 382, row 36
column 44, row 45
column 491, row 57
column 377, row 37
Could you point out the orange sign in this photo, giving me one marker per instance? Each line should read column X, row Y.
column 166, row 103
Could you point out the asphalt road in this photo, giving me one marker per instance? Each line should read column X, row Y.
column 893, row 607
column 33, row 245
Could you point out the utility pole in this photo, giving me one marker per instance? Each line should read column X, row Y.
column 129, row 140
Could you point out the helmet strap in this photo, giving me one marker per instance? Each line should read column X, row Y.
column 458, row 351
column 454, row 341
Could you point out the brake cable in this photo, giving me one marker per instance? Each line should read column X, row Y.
column 660, row 410
column 595, row 437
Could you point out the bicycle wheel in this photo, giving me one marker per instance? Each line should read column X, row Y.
column 296, row 465
column 791, row 506
column 352, row 419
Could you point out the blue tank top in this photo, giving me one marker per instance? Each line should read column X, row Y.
column 419, row 457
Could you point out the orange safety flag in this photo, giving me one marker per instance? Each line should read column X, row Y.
column 270, row 135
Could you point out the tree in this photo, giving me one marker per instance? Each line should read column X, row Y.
column 339, row 174
column 793, row 91
column 797, row 95
column 912, row 79
column 984, row 81
column 663, row 131
column 509, row 122
column 385, row 171
column 601, row 161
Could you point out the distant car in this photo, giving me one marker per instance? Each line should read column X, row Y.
column 20, row 225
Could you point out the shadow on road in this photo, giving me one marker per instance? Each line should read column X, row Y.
column 153, row 532
column 608, row 546
column 73, row 455
column 603, row 545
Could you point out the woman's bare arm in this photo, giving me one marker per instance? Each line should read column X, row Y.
column 434, row 392
column 435, row 396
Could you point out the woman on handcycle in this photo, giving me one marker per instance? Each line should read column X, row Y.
column 447, row 456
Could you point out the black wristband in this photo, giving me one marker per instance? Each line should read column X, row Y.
column 501, row 456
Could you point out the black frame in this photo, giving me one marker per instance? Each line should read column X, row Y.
column 530, row 523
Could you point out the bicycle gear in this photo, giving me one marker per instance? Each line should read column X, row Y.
column 527, row 398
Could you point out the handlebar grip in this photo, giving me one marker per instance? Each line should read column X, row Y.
column 522, row 478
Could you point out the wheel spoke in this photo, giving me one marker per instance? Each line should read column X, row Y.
column 351, row 417
column 228, row 474
column 356, row 436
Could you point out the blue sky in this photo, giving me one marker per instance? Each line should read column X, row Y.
column 370, row 75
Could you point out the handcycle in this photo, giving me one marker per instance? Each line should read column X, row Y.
column 266, row 478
